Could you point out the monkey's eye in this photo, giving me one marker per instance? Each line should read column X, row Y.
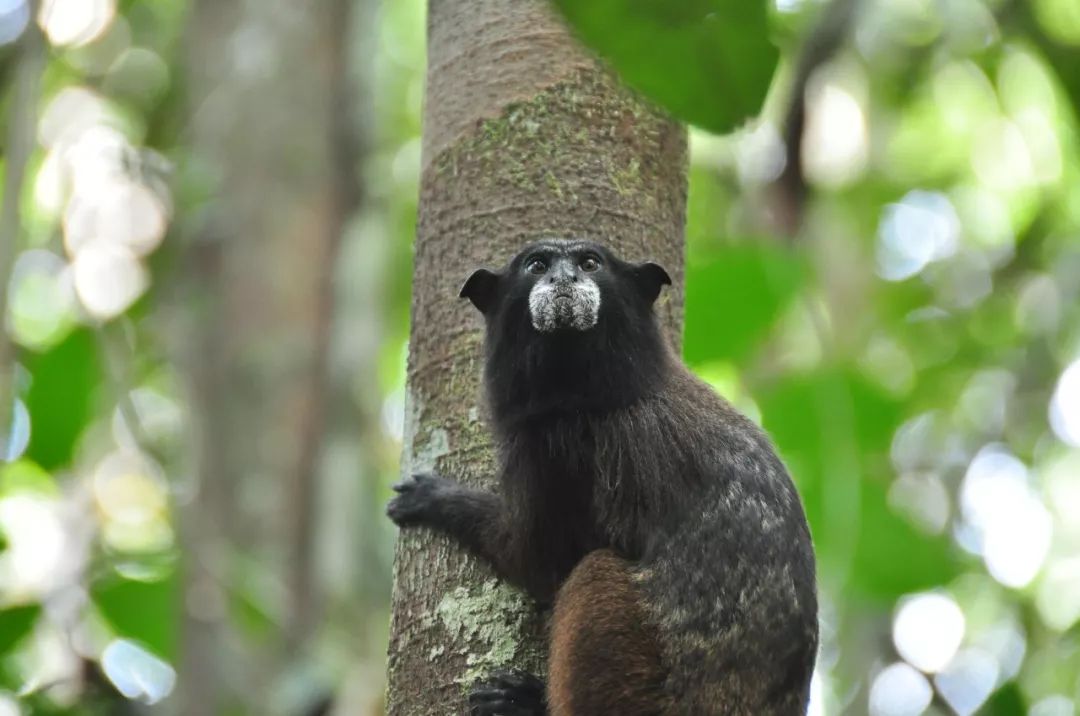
column 536, row 266
column 589, row 264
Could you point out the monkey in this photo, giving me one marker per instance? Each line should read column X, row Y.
column 655, row 521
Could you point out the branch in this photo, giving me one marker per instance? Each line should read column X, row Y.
column 830, row 33
column 347, row 137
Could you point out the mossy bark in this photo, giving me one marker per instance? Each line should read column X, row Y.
column 525, row 137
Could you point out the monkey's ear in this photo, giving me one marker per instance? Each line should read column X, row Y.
column 480, row 289
column 650, row 278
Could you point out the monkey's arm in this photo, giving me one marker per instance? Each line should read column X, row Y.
column 475, row 518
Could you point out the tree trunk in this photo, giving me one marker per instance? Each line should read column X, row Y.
column 525, row 136
column 273, row 146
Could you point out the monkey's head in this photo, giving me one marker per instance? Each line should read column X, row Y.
column 561, row 286
column 570, row 326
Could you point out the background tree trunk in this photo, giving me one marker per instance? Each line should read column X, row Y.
column 525, row 136
column 278, row 150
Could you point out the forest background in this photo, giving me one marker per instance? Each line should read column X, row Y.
column 206, row 239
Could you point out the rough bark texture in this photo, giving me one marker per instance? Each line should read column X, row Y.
column 525, row 137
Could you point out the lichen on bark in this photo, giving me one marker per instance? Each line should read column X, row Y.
column 479, row 615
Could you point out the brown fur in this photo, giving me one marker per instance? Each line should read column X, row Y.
column 605, row 657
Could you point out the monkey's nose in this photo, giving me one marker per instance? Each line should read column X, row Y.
column 562, row 275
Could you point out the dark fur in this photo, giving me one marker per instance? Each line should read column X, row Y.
column 607, row 442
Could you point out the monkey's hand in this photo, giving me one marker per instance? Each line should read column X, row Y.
column 475, row 518
column 421, row 499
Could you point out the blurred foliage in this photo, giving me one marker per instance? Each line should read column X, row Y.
column 759, row 279
column 913, row 351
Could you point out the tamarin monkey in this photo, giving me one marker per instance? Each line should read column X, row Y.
column 657, row 521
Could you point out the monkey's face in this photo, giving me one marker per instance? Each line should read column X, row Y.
column 564, row 293
column 560, row 286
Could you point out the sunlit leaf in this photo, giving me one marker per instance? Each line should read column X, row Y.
column 41, row 309
column 24, row 476
column 709, row 62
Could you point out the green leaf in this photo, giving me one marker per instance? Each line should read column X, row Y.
column 1006, row 701
column 733, row 297
column 59, row 399
column 15, row 624
column 893, row 557
column 709, row 62
column 834, row 430
column 147, row 612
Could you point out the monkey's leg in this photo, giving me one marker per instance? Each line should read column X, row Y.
column 605, row 657
column 474, row 518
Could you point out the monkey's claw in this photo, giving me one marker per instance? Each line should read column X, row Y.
column 509, row 693
column 415, row 498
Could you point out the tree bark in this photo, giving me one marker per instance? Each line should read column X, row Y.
column 525, row 136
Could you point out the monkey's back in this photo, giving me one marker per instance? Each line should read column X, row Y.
column 726, row 563
column 691, row 494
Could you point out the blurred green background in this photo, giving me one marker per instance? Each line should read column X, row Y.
column 206, row 242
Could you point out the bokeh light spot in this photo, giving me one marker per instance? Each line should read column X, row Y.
column 18, row 437
column 34, row 560
column 927, row 630
column 1065, row 406
column 1000, row 157
column 75, row 22
column 1058, row 596
column 923, row 499
column 41, row 300
column 984, row 216
column 108, row 279
column 1060, row 19
column 128, row 213
column 968, row 681
column 14, row 17
column 921, row 228
column 837, row 138
column 899, row 690
column 132, row 496
column 1056, row 705
column 1012, row 526
column 137, row 673
column 760, row 155
column 70, row 112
